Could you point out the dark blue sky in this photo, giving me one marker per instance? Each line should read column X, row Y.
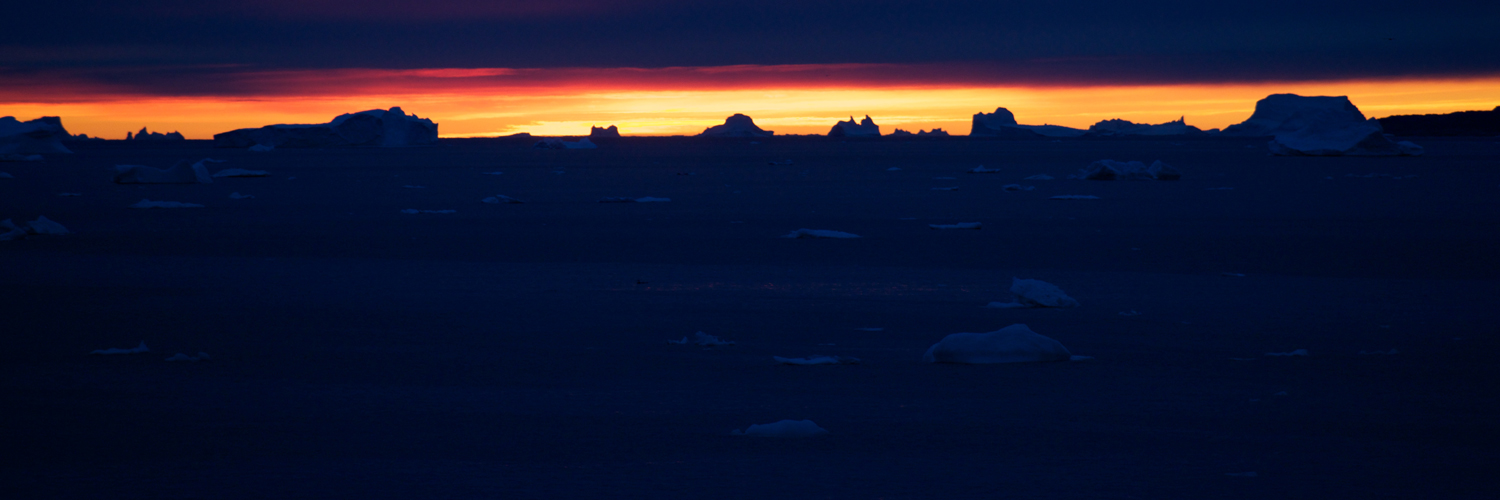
column 1104, row 42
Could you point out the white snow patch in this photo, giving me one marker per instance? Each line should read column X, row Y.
column 783, row 429
column 1017, row 187
column 134, row 350
column 819, row 233
column 145, row 203
column 43, row 225
column 1012, row 344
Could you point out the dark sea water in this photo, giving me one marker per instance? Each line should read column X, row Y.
column 520, row 351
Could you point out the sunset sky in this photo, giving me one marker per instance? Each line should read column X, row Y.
column 666, row 67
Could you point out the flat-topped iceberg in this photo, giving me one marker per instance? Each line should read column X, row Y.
column 1002, row 123
column 1318, row 126
column 1118, row 128
column 40, row 136
column 1109, row 170
column 373, row 128
column 1012, row 344
column 737, row 125
column 612, row 131
column 865, row 128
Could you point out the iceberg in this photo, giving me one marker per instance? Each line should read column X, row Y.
column 1318, row 126
column 180, row 173
column 865, row 128
column 937, row 132
column 373, row 128
column 42, row 225
column 1012, row 344
column 737, row 125
column 612, row 131
column 1119, row 128
column 1002, row 123
column 1035, row 293
column 1109, row 170
column 145, row 135
column 819, row 233
column 783, row 429
column 1462, row 123
column 40, row 136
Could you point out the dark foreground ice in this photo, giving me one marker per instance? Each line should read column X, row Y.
column 516, row 350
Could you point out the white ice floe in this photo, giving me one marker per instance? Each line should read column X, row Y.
column 500, row 198
column 375, row 127
column 1298, row 352
column 181, row 173
column 960, row 225
column 1017, row 187
column 134, row 350
column 415, row 211
column 43, row 225
column 145, row 203
column 1012, row 344
column 260, row 148
column 1038, row 177
column 1108, row 170
column 817, row 360
column 783, row 429
column 11, row 231
column 702, row 339
column 981, row 170
column 1390, row 352
column 1075, row 197
column 1035, row 293
column 819, row 233
column 238, row 196
column 240, row 172
column 183, row 357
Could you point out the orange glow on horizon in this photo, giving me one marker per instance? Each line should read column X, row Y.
column 565, row 106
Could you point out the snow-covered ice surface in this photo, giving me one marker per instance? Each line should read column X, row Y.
column 783, row 429
column 1012, row 344
column 519, row 351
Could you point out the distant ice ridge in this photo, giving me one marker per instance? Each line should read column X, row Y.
column 201, row 356
column 134, row 350
column 702, row 339
column 783, row 429
column 1035, row 293
column 145, row 135
column 817, row 360
column 737, row 125
column 240, row 172
column 372, row 128
column 865, row 128
column 180, row 173
column 1002, row 123
column 1109, row 170
column 819, row 233
column 1012, row 344
column 555, row 143
column 145, row 203
column 612, row 131
column 42, row 225
column 1118, row 128
column 1318, row 126
column 40, row 136
column 960, row 225
column 937, row 132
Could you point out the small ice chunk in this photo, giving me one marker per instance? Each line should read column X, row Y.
column 145, row 203
column 1298, row 352
column 1037, row 293
column 1012, row 344
column 258, row 148
column 783, row 429
column 981, row 170
column 817, row 360
column 960, row 225
column 1075, row 197
column 819, row 233
column 134, row 350
column 183, row 357
column 240, row 172
column 12, row 231
column 415, row 211
column 1039, row 177
column 649, row 199
column 500, row 198
column 238, row 196
column 43, row 225
column 892, row 169
column 954, row 188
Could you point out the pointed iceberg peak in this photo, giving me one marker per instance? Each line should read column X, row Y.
column 865, row 128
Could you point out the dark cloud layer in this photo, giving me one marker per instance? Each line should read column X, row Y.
column 1097, row 42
